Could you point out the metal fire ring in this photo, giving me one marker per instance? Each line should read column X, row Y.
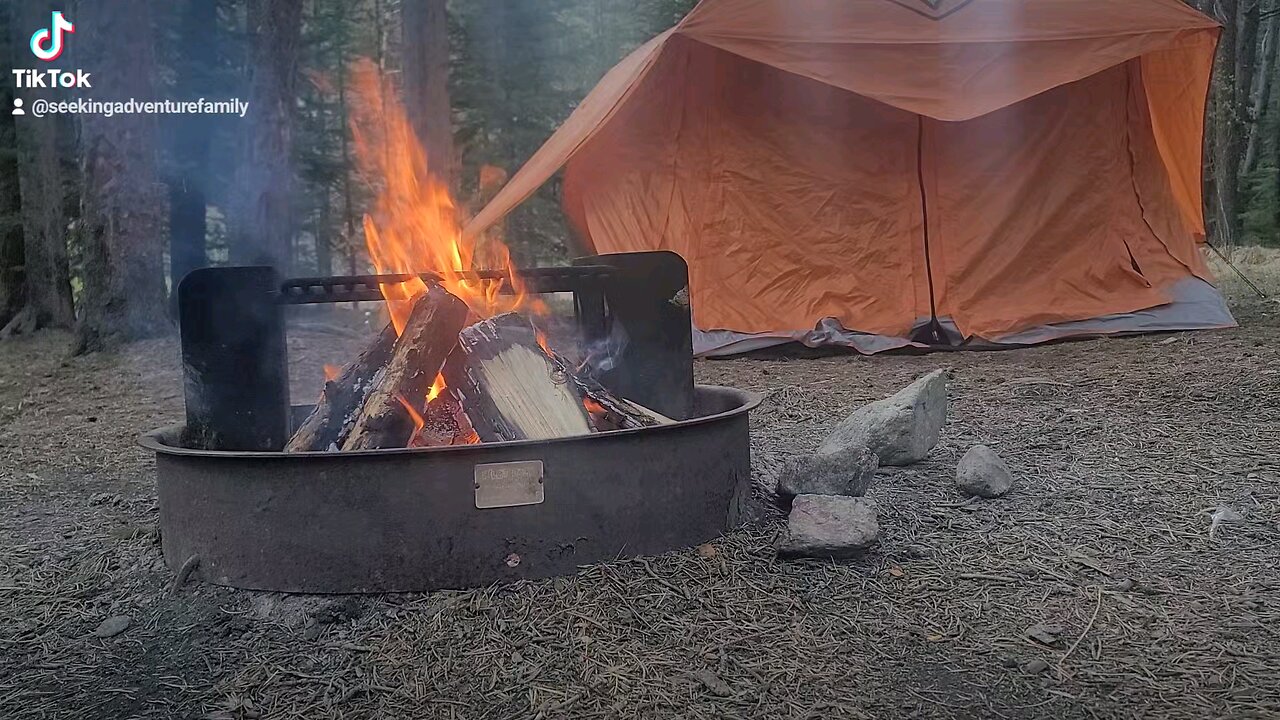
column 457, row 517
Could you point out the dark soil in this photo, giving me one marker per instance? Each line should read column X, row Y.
column 1123, row 450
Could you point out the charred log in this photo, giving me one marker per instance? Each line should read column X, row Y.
column 610, row 412
column 328, row 425
column 429, row 336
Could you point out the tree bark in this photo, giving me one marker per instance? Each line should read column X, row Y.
column 261, row 215
column 13, row 290
column 1263, row 84
column 426, row 83
column 1227, row 148
column 192, row 137
column 122, row 202
column 42, row 185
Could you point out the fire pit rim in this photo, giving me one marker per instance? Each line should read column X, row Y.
column 746, row 401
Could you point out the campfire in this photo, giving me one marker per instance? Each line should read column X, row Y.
column 462, row 360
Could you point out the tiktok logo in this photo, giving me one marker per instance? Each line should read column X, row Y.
column 46, row 43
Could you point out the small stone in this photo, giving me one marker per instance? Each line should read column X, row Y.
column 708, row 552
column 1037, row 666
column 845, row 471
column 712, row 682
column 516, row 658
column 113, row 626
column 1044, row 634
column 312, row 632
column 1009, row 662
column 1126, row 585
column 901, row 429
column 981, row 473
column 830, row 526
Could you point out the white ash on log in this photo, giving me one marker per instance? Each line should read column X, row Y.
column 335, row 413
column 430, row 334
column 510, row 387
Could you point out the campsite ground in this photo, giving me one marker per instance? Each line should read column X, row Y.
column 1123, row 448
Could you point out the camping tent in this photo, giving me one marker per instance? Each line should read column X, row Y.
column 854, row 171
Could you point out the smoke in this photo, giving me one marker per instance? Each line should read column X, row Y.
column 603, row 355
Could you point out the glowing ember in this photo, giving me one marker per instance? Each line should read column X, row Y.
column 415, row 225
column 331, row 372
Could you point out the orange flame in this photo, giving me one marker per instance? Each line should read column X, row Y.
column 418, row 421
column 331, row 372
column 437, row 387
column 415, row 225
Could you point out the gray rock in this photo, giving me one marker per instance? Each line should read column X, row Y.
column 982, row 473
column 113, row 626
column 847, row 471
column 1037, row 666
column 901, row 429
column 830, row 526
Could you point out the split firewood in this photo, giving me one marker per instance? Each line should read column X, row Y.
column 610, row 412
column 511, row 387
column 328, row 425
column 429, row 336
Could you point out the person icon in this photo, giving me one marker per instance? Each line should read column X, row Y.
column 17, row 107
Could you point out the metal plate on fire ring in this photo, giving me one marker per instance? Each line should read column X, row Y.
column 509, row 484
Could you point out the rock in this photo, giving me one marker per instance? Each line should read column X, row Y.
column 830, row 526
column 847, row 471
column 1044, row 634
column 113, row 626
column 901, row 429
column 1037, row 666
column 712, row 682
column 981, row 473
column 1126, row 585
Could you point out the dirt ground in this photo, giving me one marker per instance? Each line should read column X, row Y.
column 1123, row 449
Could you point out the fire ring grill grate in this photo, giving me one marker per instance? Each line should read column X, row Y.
column 450, row 517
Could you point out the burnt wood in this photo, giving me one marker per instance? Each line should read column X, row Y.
column 429, row 336
column 328, row 425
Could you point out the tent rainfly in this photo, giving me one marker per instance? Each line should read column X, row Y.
column 871, row 173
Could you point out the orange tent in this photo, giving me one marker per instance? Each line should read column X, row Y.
column 854, row 171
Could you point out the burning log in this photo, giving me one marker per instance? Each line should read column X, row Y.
column 430, row 334
column 610, row 412
column 327, row 426
column 511, row 387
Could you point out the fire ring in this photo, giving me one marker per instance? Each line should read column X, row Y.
column 453, row 517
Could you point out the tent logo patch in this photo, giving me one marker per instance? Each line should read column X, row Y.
column 933, row 9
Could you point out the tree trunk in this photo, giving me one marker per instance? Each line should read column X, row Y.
column 1263, row 85
column 191, row 140
column 426, row 83
column 13, row 291
column 1226, row 131
column 262, row 220
column 40, row 176
column 122, row 202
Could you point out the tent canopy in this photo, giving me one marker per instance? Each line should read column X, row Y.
column 1002, row 165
